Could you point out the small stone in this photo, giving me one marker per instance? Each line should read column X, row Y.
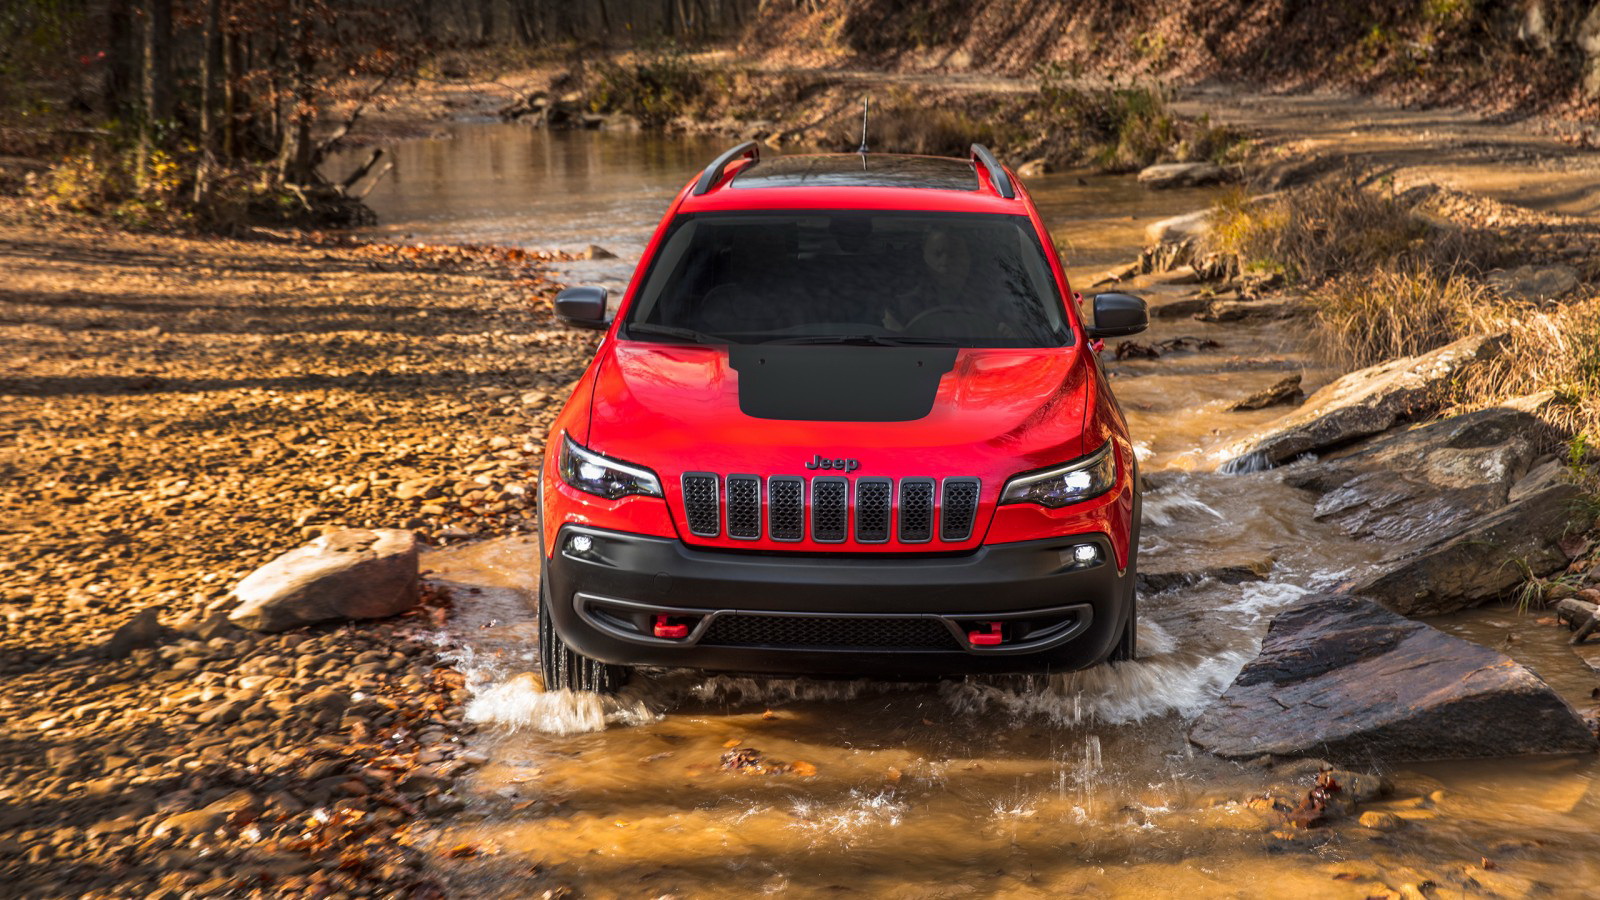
column 143, row 630
column 595, row 251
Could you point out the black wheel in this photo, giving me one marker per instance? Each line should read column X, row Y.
column 1128, row 644
column 564, row 668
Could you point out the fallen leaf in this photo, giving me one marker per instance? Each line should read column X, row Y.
column 802, row 769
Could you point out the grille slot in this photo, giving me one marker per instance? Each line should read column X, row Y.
column 830, row 509
column 958, row 508
column 744, row 507
column 854, row 632
column 700, row 504
column 916, row 510
column 873, row 497
column 786, row 512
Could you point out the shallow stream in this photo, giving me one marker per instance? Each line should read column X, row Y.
column 1082, row 785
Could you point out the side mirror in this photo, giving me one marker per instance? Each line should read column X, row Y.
column 583, row 307
column 1118, row 315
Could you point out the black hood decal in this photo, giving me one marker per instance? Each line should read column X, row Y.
column 839, row 383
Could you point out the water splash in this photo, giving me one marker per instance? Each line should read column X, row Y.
column 521, row 702
column 862, row 810
column 1167, row 508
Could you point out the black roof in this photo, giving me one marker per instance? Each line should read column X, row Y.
column 859, row 170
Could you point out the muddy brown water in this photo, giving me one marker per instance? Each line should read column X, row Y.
column 1081, row 785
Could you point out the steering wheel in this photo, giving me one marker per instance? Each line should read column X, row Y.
column 957, row 314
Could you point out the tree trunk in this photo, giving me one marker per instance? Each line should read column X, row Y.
column 158, row 60
column 210, row 62
column 123, row 62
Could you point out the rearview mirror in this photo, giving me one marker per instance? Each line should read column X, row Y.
column 1118, row 315
column 582, row 307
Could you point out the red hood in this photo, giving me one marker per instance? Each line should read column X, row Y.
column 675, row 408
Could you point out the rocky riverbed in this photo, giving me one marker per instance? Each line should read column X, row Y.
column 175, row 413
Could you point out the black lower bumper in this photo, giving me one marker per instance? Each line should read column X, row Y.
column 851, row 615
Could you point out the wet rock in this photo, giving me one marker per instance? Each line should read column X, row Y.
column 1160, row 574
column 1176, row 175
column 1284, row 391
column 1179, row 228
column 1535, row 282
column 1032, row 167
column 1360, row 404
column 143, row 630
column 1429, row 481
column 1343, row 678
column 595, row 251
column 1250, row 310
column 1482, row 562
column 345, row 574
column 1179, row 307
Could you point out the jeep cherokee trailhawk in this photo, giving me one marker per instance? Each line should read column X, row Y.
column 847, row 420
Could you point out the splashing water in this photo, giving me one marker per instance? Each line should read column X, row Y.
column 522, row 702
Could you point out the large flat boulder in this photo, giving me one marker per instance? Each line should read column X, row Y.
column 1164, row 176
column 350, row 573
column 1342, row 678
column 1485, row 561
column 1428, row 482
column 1359, row 405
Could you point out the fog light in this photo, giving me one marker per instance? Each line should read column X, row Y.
column 1086, row 553
column 581, row 543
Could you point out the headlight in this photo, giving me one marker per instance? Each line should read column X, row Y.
column 595, row 474
column 1074, row 482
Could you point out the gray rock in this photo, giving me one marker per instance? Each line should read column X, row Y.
column 1360, row 404
column 1176, row 175
column 1535, row 282
column 1428, row 482
column 1483, row 562
column 1161, row 573
column 1281, row 392
column 1258, row 310
column 595, row 251
column 1032, row 167
column 1342, row 678
column 349, row 573
column 1179, row 228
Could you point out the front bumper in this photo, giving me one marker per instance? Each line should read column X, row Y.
column 838, row 615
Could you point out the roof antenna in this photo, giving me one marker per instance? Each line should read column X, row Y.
column 866, row 105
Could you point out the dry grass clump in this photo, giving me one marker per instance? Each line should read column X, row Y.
column 1363, row 318
column 1555, row 350
column 1333, row 229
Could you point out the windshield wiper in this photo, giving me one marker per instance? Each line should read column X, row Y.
column 870, row 340
column 673, row 331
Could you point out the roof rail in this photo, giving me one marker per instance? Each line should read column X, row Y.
column 713, row 172
column 997, row 173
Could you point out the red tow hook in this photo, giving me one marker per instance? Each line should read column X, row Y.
column 990, row 638
column 665, row 629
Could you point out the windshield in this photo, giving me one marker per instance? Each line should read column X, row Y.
column 870, row 277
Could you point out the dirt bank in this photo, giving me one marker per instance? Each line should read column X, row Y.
column 176, row 412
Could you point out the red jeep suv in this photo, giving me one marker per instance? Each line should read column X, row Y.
column 844, row 422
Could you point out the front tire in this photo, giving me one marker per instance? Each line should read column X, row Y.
column 564, row 668
column 1127, row 647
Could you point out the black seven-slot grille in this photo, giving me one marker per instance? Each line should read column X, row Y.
column 790, row 505
column 857, row 632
